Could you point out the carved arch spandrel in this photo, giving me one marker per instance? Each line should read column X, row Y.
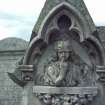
column 68, row 10
column 35, row 51
column 94, row 51
column 50, row 30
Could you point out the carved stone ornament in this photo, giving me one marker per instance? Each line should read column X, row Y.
column 64, row 63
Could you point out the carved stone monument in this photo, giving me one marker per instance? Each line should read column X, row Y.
column 65, row 62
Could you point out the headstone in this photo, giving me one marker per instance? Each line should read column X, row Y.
column 11, row 51
column 65, row 62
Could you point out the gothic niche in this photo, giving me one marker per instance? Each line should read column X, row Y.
column 63, row 61
column 66, row 64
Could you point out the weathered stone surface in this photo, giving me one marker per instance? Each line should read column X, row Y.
column 11, row 51
column 10, row 93
column 69, row 33
column 50, row 4
column 13, row 44
column 101, row 31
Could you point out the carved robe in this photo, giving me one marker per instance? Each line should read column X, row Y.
column 67, row 74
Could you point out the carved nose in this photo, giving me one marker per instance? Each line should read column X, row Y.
column 63, row 54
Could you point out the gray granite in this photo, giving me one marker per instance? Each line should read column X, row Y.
column 101, row 31
column 50, row 4
column 11, row 44
column 10, row 93
column 11, row 51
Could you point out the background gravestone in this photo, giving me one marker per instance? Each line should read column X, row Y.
column 11, row 51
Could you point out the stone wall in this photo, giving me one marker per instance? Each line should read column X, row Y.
column 11, row 51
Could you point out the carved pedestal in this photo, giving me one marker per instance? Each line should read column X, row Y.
column 65, row 95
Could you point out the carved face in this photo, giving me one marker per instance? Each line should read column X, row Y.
column 63, row 49
column 63, row 55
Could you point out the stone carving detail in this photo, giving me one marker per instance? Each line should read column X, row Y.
column 72, row 66
column 101, row 74
column 26, row 72
column 64, row 71
column 66, row 99
column 69, row 96
column 63, row 61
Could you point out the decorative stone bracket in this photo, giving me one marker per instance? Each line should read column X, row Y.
column 22, row 74
column 101, row 73
column 65, row 95
column 26, row 72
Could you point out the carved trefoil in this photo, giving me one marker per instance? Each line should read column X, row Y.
column 64, row 63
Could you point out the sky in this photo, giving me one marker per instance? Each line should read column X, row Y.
column 18, row 17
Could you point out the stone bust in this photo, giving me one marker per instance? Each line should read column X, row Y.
column 64, row 71
column 56, row 71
